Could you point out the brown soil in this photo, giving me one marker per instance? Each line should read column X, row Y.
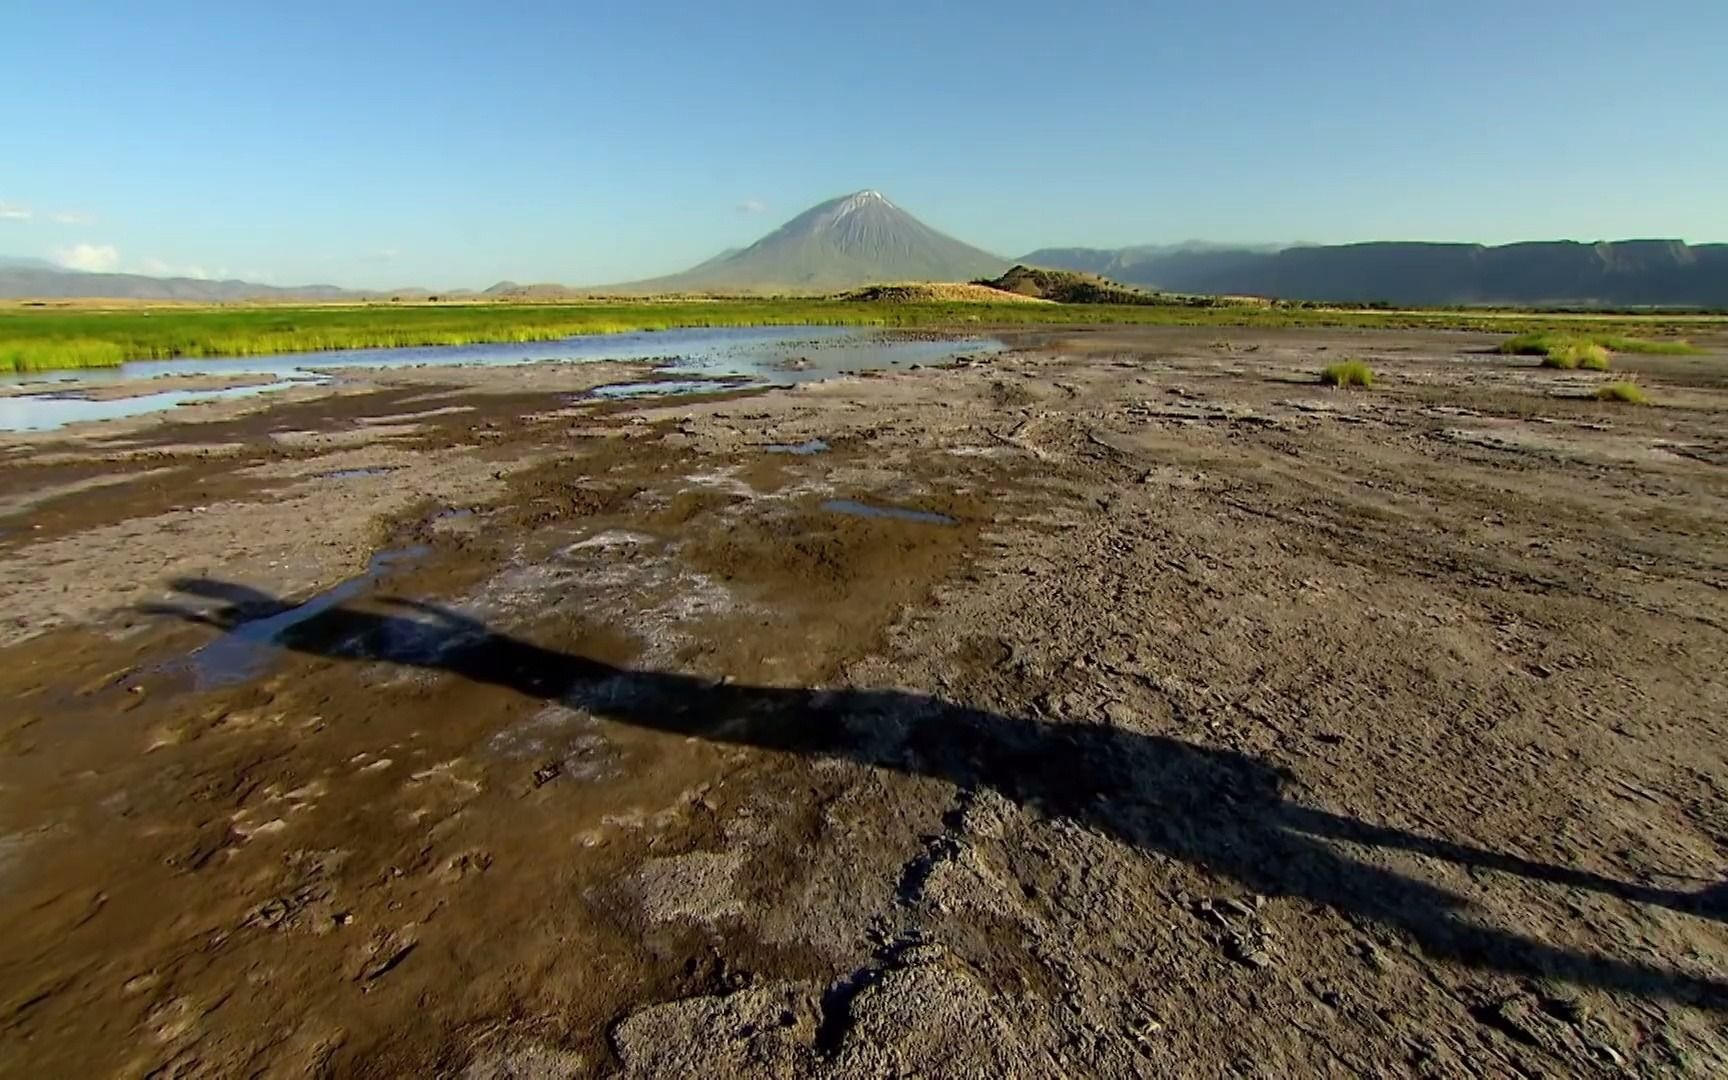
column 1234, row 725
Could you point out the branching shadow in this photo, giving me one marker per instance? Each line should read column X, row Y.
column 1219, row 810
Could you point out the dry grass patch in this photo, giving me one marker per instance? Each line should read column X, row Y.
column 1348, row 373
column 1570, row 355
column 1624, row 391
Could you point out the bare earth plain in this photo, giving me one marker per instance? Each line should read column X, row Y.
column 1202, row 721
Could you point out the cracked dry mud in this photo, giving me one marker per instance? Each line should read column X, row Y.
column 1233, row 726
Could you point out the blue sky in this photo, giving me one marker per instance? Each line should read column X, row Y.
column 456, row 144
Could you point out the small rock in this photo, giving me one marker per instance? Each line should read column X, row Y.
column 1207, row 912
column 1326, row 995
column 1246, row 951
column 387, row 953
column 1569, row 1009
column 1371, row 956
column 1236, row 907
column 1122, row 715
column 1512, row 1017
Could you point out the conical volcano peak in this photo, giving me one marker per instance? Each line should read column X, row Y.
column 868, row 204
column 858, row 200
column 852, row 240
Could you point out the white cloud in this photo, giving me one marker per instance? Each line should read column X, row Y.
column 72, row 217
column 96, row 258
column 382, row 255
column 12, row 212
column 752, row 206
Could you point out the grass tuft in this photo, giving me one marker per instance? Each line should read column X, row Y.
column 1623, row 391
column 1348, row 373
column 1570, row 355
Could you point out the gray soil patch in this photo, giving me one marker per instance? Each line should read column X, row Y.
column 1218, row 726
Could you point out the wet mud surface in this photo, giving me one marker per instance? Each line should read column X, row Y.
column 1122, row 704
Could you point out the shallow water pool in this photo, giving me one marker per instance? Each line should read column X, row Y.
column 703, row 359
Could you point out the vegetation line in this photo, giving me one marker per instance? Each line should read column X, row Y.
column 1589, row 347
column 35, row 339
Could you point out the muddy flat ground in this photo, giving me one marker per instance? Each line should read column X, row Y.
column 1122, row 704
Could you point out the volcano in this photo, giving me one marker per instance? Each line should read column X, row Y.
column 854, row 240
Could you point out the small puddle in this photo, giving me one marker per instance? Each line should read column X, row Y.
column 50, row 412
column 243, row 651
column 357, row 474
column 803, row 449
column 851, row 506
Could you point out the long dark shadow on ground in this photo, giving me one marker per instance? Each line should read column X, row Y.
column 1219, row 810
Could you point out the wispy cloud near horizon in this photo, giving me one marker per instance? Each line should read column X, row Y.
column 752, row 206
column 93, row 258
column 10, row 211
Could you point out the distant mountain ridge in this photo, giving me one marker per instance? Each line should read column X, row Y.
column 28, row 279
column 864, row 239
column 854, row 240
column 1667, row 273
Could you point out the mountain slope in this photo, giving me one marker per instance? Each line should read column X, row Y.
column 843, row 243
column 24, row 262
column 1619, row 273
